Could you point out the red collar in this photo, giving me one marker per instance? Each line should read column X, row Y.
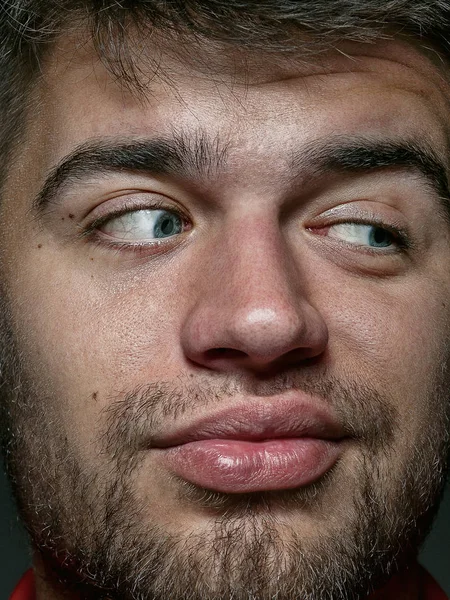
column 25, row 589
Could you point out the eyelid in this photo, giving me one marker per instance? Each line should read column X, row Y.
column 365, row 211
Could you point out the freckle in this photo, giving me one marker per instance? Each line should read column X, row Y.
column 71, row 216
column 92, row 258
column 39, row 245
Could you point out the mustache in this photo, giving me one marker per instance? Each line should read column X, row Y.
column 131, row 418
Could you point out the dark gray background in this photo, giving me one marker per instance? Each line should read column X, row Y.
column 14, row 556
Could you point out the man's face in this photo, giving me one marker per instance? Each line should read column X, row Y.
column 227, row 323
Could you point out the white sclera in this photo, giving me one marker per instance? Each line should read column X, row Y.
column 362, row 234
column 144, row 225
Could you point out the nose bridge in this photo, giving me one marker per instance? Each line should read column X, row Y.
column 256, row 271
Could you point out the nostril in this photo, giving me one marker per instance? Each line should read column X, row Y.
column 224, row 353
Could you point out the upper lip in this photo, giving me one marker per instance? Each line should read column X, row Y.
column 259, row 420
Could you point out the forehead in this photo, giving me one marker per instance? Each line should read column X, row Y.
column 256, row 104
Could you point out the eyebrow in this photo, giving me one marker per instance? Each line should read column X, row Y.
column 362, row 155
column 201, row 157
column 181, row 156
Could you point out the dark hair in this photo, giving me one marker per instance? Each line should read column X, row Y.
column 28, row 27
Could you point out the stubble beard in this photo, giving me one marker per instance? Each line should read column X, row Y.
column 93, row 534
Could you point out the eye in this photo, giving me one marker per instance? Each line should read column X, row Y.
column 143, row 225
column 363, row 234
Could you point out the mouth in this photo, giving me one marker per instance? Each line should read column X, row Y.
column 269, row 445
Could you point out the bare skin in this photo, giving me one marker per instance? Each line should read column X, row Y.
column 264, row 280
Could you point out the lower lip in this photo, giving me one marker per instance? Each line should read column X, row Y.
column 237, row 466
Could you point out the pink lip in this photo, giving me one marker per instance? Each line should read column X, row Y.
column 258, row 446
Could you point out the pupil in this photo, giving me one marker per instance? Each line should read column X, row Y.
column 167, row 226
column 381, row 237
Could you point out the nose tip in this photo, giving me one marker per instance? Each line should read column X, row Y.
column 264, row 334
column 255, row 339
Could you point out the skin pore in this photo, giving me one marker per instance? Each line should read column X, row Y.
column 283, row 269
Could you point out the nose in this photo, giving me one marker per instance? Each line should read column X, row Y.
column 251, row 308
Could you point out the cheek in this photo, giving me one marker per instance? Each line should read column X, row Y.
column 86, row 340
column 393, row 336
